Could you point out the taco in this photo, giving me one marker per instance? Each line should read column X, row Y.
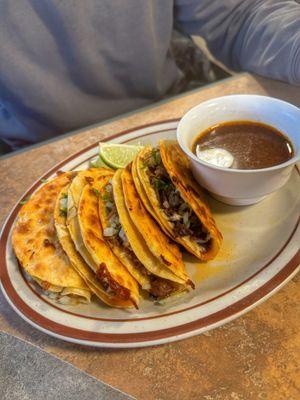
column 165, row 183
column 37, row 247
column 78, row 263
column 166, row 250
column 115, row 285
column 154, row 274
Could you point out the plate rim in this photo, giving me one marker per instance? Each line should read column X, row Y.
column 191, row 307
column 292, row 267
column 125, row 339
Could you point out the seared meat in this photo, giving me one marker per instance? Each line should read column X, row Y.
column 130, row 254
column 160, row 287
column 184, row 221
column 109, row 285
column 115, row 233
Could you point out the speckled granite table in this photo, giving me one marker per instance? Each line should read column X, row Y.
column 254, row 357
column 28, row 372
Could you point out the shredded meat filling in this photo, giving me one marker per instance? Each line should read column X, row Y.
column 161, row 288
column 115, row 234
column 109, row 285
column 45, row 285
column 130, row 254
column 184, row 221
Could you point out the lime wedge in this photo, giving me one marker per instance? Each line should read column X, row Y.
column 98, row 163
column 118, row 155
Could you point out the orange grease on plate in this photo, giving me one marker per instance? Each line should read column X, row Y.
column 212, row 268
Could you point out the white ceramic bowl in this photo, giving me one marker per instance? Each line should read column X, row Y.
column 234, row 186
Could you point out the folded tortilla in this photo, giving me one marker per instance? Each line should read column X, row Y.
column 165, row 183
column 37, row 247
column 160, row 244
column 74, row 256
column 112, row 228
column 154, row 274
column 115, row 285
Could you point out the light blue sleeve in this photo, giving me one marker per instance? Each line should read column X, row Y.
column 260, row 36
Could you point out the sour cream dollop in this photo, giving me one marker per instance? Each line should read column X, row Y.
column 216, row 156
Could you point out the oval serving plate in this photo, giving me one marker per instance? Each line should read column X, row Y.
column 259, row 255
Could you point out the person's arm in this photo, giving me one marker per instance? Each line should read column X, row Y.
column 261, row 36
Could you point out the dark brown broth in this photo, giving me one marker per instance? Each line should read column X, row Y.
column 253, row 145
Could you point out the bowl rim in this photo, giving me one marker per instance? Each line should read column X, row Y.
column 190, row 154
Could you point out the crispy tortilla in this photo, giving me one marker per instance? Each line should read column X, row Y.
column 75, row 190
column 177, row 166
column 140, row 188
column 77, row 261
column 138, row 243
column 74, row 193
column 140, row 261
column 110, row 271
column 126, row 257
column 38, row 249
column 159, row 244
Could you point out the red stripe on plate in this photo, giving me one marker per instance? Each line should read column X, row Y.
column 72, row 333
column 36, row 293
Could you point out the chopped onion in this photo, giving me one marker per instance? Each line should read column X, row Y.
column 198, row 240
column 175, row 217
column 63, row 202
column 166, row 204
column 114, row 220
column 109, row 204
column 186, row 219
column 123, row 235
column 183, row 207
column 110, row 231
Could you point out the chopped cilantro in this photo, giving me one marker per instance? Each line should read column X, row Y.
column 106, row 197
column 159, row 184
column 156, row 156
column 24, row 200
column 96, row 191
column 64, row 195
column 43, row 180
column 63, row 213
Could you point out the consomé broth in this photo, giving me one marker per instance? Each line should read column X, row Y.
column 253, row 145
